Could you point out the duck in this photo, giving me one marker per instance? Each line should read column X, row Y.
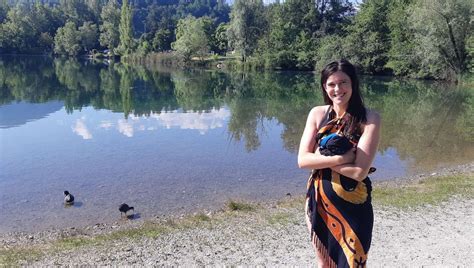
column 124, row 208
column 68, row 198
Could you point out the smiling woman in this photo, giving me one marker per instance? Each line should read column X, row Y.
column 338, row 202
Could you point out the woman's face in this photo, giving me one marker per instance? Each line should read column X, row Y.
column 338, row 86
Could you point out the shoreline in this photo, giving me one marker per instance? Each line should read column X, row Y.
column 231, row 235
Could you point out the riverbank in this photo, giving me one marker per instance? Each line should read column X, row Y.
column 423, row 220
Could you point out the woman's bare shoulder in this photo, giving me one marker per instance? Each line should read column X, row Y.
column 317, row 114
column 319, row 110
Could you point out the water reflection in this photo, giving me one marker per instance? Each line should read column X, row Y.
column 423, row 121
column 19, row 113
column 189, row 138
column 199, row 121
column 428, row 123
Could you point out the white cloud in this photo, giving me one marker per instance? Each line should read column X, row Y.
column 81, row 129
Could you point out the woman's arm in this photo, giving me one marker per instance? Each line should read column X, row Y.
column 366, row 149
column 307, row 157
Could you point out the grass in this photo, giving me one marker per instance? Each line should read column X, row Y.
column 281, row 218
column 239, row 206
column 428, row 191
column 12, row 257
column 201, row 217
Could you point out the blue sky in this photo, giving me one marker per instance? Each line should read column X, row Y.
column 271, row 1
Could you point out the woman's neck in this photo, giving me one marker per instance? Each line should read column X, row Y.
column 340, row 111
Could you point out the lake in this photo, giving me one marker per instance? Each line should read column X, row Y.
column 170, row 142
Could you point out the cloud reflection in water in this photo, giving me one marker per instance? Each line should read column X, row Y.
column 200, row 121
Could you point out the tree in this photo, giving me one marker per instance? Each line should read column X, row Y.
column 442, row 29
column 220, row 37
column 191, row 39
column 161, row 22
column 88, row 35
column 76, row 11
column 67, row 40
column 368, row 39
column 334, row 16
column 470, row 52
column 401, row 55
column 330, row 48
column 245, row 26
column 17, row 31
column 4, row 7
column 109, row 34
column 126, row 44
column 162, row 40
column 95, row 8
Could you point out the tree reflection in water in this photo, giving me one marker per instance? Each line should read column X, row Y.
column 423, row 121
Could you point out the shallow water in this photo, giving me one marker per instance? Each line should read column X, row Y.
column 172, row 142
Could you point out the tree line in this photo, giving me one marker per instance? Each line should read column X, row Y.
column 414, row 38
column 75, row 27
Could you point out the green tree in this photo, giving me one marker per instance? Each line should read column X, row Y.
column 470, row 52
column 144, row 46
column 162, row 40
column 126, row 44
column 442, row 29
column 368, row 41
column 76, row 11
column 330, row 48
column 297, row 28
column 4, row 7
column 17, row 31
column 161, row 23
column 95, row 8
column 67, row 40
column 88, row 35
column 220, row 37
column 246, row 26
column 109, row 34
column 46, row 41
column 402, row 59
column 191, row 39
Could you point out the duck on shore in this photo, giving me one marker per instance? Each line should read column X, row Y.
column 124, row 208
column 68, row 198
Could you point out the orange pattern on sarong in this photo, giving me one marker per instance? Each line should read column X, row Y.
column 341, row 230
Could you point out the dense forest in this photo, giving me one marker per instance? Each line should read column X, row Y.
column 414, row 38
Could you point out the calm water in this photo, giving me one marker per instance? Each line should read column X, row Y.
column 172, row 142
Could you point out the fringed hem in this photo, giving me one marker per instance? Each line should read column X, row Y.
column 322, row 250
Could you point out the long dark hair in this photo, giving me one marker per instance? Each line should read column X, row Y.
column 356, row 106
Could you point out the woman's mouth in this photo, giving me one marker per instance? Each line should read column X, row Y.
column 340, row 95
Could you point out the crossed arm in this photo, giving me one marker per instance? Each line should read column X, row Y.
column 354, row 164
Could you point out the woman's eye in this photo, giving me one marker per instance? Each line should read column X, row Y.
column 331, row 85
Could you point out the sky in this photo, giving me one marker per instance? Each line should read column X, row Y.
column 271, row 1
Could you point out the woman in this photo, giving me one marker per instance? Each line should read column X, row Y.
column 338, row 203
